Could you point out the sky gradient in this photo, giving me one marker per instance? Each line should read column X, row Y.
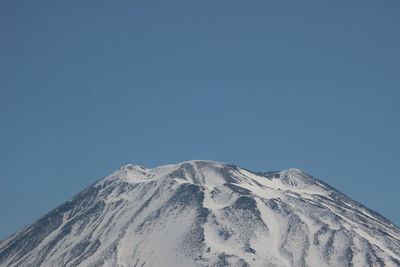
column 88, row 86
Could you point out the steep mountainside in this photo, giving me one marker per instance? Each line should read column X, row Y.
column 203, row 213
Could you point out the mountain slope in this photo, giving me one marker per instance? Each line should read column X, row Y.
column 203, row 213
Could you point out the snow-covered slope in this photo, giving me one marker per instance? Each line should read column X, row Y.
column 203, row 213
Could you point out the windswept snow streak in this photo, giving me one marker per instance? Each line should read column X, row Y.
column 203, row 213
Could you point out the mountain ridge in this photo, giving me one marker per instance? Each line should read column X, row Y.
column 206, row 213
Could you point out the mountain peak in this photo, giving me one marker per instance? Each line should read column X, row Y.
column 195, row 163
column 209, row 173
column 293, row 171
column 296, row 177
column 132, row 167
column 206, row 213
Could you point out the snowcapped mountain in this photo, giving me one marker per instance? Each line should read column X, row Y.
column 203, row 213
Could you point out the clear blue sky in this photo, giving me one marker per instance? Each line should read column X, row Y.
column 88, row 86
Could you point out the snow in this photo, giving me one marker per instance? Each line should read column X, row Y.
column 139, row 216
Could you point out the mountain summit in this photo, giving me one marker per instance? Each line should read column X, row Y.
column 204, row 213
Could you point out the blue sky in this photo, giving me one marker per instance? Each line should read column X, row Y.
column 88, row 86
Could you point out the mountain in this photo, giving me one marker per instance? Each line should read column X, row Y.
column 204, row 213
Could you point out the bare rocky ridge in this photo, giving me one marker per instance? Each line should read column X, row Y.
column 203, row 213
